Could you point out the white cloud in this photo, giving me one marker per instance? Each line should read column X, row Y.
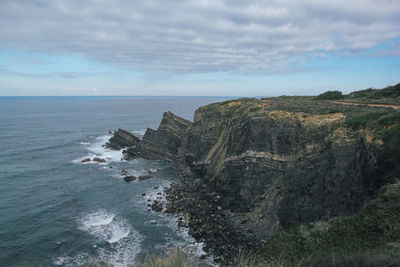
column 198, row 35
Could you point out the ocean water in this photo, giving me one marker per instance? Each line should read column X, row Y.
column 56, row 211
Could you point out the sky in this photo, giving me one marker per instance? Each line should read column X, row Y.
column 197, row 47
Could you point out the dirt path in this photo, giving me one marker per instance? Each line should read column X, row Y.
column 365, row 104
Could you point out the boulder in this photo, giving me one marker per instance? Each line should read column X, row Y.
column 130, row 178
column 99, row 160
column 144, row 177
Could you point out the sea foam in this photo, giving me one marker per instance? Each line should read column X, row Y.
column 118, row 242
column 96, row 148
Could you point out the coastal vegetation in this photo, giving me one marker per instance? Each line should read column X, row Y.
column 330, row 95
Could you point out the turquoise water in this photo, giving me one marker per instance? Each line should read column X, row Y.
column 56, row 211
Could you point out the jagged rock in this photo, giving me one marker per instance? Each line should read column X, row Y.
column 85, row 160
column 162, row 143
column 121, row 139
column 99, row 160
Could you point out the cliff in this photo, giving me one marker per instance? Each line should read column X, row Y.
column 163, row 143
column 251, row 168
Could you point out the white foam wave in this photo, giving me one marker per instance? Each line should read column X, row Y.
column 80, row 260
column 97, row 219
column 97, row 149
column 154, row 194
column 123, row 241
column 187, row 243
column 105, row 226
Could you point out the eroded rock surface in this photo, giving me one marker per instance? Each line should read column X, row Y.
column 249, row 170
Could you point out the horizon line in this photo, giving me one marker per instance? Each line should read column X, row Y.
column 121, row 96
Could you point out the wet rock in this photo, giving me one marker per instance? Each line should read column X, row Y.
column 130, row 178
column 151, row 171
column 85, row 160
column 99, row 160
column 124, row 172
column 157, row 206
column 153, row 222
column 144, row 177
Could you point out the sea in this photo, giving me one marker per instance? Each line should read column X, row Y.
column 56, row 210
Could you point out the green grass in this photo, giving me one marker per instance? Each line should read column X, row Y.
column 255, row 109
column 371, row 235
column 173, row 258
column 385, row 125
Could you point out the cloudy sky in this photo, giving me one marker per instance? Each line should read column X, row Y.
column 197, row 47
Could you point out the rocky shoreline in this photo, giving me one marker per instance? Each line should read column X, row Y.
column 248, row 170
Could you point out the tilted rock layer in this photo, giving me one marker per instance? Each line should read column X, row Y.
column 258, row 167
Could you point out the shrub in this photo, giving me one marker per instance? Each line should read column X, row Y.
column 330, row 95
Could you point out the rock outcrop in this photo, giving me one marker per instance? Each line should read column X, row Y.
column 162, row 143
column 249, row 168
column 121, row 139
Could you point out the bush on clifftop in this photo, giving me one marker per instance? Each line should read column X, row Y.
column 330, row 95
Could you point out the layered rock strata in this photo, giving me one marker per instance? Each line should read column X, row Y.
column 249, row 170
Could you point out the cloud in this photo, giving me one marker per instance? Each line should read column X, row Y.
column 199, row 35
column 5, row 70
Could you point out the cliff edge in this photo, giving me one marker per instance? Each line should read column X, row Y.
column 253, row 168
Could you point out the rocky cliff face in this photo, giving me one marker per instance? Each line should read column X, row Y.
column 122, row 138
column 163, row 143
column 250, row 169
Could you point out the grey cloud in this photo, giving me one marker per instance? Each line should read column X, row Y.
column 67, row 75
column 198, row 35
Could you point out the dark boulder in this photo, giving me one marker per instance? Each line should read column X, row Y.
column 99, row 160
column 144, row 177
column 130, row 178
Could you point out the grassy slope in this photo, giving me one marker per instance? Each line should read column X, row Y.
column 374, row 231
